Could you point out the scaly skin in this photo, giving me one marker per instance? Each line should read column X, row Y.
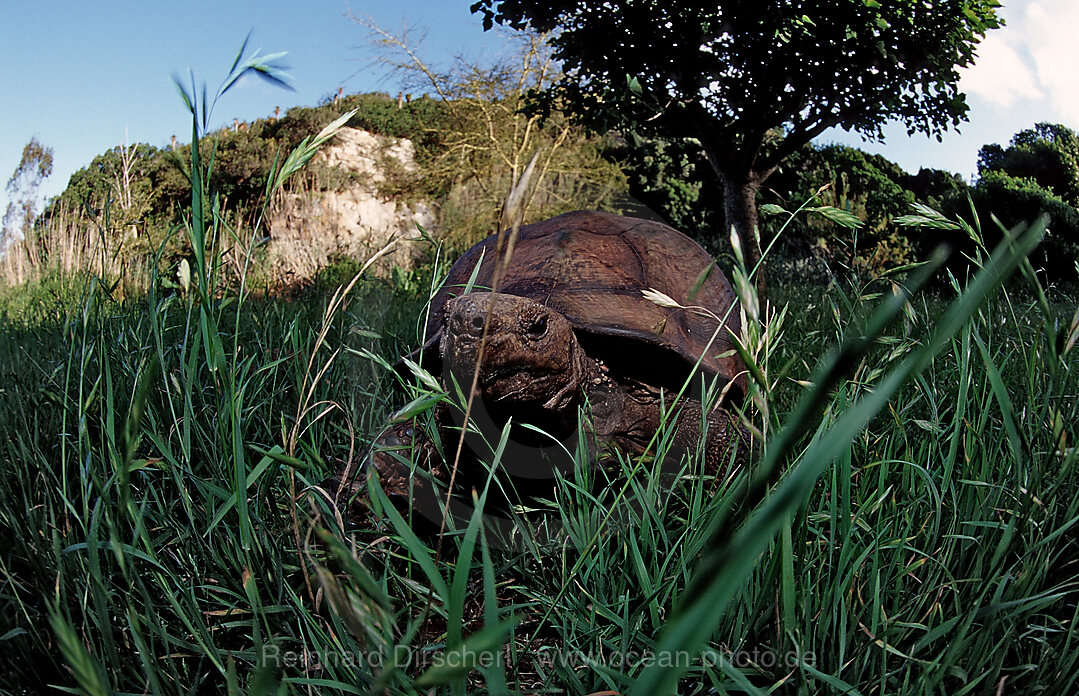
column 535, row 370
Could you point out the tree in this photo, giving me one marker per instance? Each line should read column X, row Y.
column 1048, row 154
column 672, row 178
column 117, row 178
column 487, row 142
column 1037, row 173
column 34, row 167
column 734, row 73
column 934, row 187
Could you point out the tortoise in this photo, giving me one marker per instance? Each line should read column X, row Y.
column 570, row 328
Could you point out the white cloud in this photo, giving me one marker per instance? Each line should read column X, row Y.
column 1050, row 33
column 999, row 75
column 1032, row 63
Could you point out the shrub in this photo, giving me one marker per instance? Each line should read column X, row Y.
column 1015, row 201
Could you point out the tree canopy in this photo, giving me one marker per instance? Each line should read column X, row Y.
column 1048, row 154
column 1038, row 172
column 35, row 166
column 754, row 80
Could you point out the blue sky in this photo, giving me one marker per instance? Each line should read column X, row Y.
column 83, row 76
column 1025, row 73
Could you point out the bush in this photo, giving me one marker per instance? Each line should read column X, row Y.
column 1015, row 201
column 668, row 176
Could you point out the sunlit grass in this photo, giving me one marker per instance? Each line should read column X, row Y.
column 935, row 552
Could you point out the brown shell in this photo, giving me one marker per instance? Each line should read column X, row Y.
column 592, row 268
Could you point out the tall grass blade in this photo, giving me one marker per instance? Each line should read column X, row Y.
column 728, row 562
column 86, row 670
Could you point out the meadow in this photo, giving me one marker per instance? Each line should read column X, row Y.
column 906, row 524
column 161, row 535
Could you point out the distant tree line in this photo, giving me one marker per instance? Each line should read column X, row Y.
column 463, row 149
column 144, row 188
column 1037, row 172
column 671, row 177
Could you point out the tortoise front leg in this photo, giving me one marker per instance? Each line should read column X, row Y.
column 404, row 459
column 726, row 446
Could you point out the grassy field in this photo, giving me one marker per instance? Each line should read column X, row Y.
column 905, row 526
column 159, row 536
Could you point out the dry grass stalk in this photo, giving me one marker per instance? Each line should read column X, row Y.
column 69, row 243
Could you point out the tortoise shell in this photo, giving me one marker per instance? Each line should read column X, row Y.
column 593, row 267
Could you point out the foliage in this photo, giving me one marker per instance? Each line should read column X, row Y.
column 755, row 81
column 415, row 119
column 243, row 161
column 1047, row 154
column 138, row 194
column 102, row 180
column 127, row 190
column 870, row 187
column 35, row 166
column 934, row 187
column 1037, row 173
column 673, row 178
column 486, row 142
column 1021, row 199
column 867, row 185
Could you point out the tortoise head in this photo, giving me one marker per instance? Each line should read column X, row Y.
column 530, row 357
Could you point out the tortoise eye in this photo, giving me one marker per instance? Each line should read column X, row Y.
column 537, row 329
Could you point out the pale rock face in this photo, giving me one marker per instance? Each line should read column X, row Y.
column 310, row 229
column 359, row 151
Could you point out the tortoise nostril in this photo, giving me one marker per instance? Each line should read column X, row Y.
column 477, row 323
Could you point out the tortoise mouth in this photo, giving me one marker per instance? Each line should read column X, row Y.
column 508, row 370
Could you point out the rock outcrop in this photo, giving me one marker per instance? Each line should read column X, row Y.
column 309, row 229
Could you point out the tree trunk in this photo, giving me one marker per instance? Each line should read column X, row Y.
column 740, row 212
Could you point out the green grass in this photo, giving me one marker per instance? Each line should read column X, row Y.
column 156, row 543
column 162, row 533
